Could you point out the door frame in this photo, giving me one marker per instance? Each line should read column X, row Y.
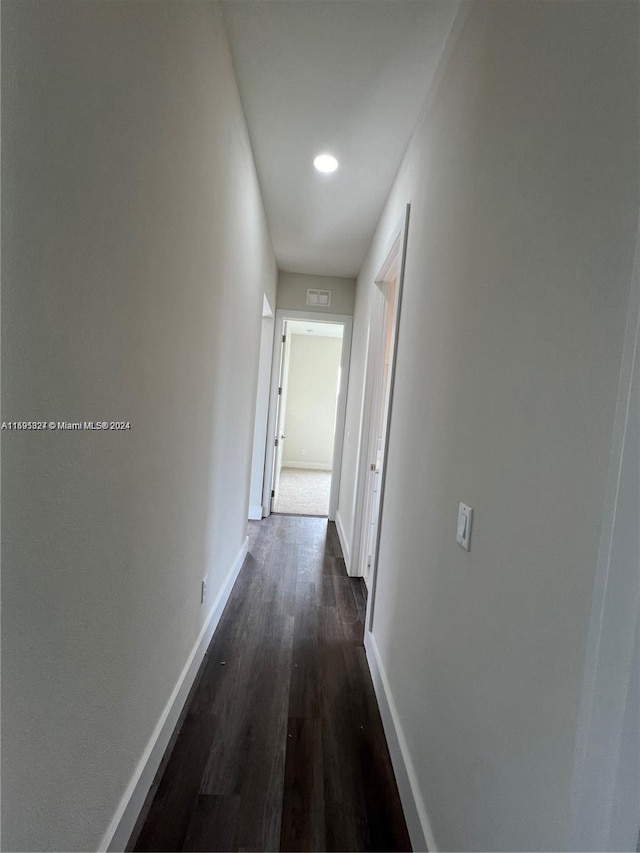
column 262, row 410
column 394, row 261
column 346, row 321
column 610, row 678
column 280, row 413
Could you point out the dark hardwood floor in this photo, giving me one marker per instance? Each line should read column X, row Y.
column 281, row 745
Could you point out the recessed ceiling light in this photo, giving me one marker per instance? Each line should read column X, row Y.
column 325, row 163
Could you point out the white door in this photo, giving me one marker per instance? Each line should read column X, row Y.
column 381, row 341
column 281, row 409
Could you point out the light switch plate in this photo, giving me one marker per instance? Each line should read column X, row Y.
column 463, row 534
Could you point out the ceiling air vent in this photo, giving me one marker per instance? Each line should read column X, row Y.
column 319, row 298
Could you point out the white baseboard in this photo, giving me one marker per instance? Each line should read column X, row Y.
column 124, row 819
column 415, row 812
column 310, row 466
column 346, row 552
column 255, row 513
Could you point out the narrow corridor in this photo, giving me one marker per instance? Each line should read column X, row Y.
column 281, row 746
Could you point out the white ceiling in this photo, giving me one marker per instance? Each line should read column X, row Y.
column 344, row 76
column 319, row 330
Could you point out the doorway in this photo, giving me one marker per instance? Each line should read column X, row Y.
column 379, row 378
column 306, row 425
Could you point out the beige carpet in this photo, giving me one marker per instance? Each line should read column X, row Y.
column 303, row 492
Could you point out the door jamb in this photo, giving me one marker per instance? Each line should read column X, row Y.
column 614, row 615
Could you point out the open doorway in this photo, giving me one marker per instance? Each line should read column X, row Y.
column 379, row 377
column 307, row 422
column 307, row 413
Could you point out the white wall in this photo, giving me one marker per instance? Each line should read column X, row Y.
column 523, row 181
column 292, row 292
column 135, row 258
column 312, row 389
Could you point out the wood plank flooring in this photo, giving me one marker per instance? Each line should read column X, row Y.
column 281, row 745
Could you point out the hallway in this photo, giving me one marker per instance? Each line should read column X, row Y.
column 282, row 746
column 209, row 210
